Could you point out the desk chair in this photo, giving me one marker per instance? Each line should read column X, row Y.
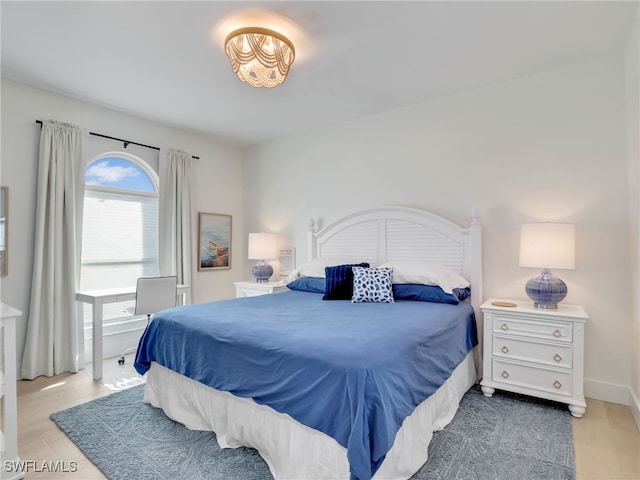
column 152, row 295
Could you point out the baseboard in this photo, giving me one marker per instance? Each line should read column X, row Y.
column 635, row 407
column 608, row 392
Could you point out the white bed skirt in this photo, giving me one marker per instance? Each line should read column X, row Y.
column 292, row 450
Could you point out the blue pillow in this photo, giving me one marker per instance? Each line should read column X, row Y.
column 339, row 281
column 308, row 284
column 462, row 293
column 428, row 293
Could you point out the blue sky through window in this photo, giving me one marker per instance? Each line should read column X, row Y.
column 118, row 173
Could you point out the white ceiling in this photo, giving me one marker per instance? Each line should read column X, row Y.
column 164, row 61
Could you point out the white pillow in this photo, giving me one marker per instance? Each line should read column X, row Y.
column 426, row 273
column 315, row 267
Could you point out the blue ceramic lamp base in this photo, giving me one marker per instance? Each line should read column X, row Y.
column 546, row 290
column 262, row 271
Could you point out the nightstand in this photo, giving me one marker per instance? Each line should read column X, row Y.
column 11, row 466
column 535, row 352
column 253, row 288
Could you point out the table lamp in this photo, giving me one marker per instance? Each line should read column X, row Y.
column 262, row 246
column 547, row 245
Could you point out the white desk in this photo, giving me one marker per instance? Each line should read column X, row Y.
column 97, row 298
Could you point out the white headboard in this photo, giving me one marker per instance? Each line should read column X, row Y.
column 401, row 233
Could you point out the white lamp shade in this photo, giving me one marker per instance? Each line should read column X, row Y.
column 263, row 246
column 548, row 245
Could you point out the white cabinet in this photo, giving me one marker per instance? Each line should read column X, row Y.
column 9, row 460
column 253, row 288
column 535, row 352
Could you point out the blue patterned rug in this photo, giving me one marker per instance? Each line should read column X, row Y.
column 505, row 437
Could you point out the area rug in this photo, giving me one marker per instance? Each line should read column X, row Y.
column 504, row 437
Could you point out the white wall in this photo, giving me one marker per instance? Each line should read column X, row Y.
column 218, row 183
column 549, row 146
column 632, row 79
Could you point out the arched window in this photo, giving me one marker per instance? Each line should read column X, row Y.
column 120, row 222
column 120, row 226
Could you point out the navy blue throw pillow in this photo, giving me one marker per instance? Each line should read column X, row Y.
column 339, row 281
column 428, row 293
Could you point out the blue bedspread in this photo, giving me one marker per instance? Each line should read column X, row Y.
column 352, row 371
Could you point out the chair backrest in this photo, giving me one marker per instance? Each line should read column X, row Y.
column 155, row 293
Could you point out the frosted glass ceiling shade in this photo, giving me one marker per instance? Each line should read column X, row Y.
column 547, row 245
column 262, row 246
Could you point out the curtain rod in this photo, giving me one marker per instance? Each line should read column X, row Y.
column 125, row 142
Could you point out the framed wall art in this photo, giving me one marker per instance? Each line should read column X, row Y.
column 287, row 260
column 214, row 241
column 4, row 233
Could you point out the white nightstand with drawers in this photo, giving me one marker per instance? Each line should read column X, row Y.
column 253, row 288
column 535, row 352
column 10, row 464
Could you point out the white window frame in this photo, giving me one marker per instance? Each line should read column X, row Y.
column 119, row 333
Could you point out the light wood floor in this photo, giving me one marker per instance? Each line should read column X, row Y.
column 607, row 442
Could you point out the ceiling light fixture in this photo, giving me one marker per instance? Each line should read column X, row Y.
column 259, row 56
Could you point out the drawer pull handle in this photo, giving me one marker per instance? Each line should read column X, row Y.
column 557, row 384
column 505, row 349
column 557, row 357
column 504, row 327
column 505, row 374
column 557, row 333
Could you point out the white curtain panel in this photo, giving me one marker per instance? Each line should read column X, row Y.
column 52, row 330
column 175, row 215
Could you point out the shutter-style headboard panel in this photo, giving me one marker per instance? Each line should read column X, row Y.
column 381, row 234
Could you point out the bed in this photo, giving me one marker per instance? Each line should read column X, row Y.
column 329, row 389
